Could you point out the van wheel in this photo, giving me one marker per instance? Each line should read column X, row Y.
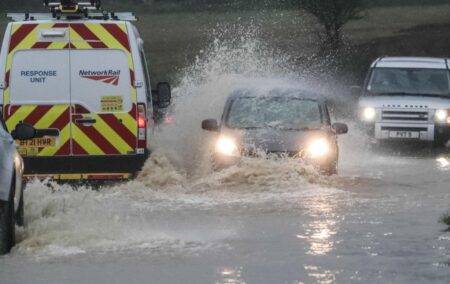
column 7, row 226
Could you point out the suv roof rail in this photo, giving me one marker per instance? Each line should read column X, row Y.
column 72, row 10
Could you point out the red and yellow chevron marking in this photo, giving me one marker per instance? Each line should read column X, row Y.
column 42, row 117
column 113, row 133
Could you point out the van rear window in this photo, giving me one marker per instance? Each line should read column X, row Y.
column 40, row 75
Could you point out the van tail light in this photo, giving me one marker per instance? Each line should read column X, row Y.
column 142, row 128
column 141, row 121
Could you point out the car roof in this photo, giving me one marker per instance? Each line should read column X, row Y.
column 412, row 62
column 291, row 93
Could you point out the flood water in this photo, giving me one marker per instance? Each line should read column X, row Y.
column 263, row 221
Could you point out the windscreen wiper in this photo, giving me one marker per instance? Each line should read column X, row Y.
column 301, row 129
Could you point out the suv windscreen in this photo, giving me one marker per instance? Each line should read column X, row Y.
column 410, row 81
column 277, row 112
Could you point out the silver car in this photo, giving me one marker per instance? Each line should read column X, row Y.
column 11, row 187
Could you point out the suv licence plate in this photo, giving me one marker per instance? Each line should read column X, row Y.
column 404, row 134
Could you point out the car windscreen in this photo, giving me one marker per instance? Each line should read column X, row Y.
column 410, row 81
column 277, row 112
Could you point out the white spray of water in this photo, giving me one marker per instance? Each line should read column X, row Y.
column 177, row 178
column 205, row 86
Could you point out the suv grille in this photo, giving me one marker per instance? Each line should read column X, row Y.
column 388, row 115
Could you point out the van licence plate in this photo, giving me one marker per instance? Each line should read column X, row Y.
column 404, row 134
column 38, row 142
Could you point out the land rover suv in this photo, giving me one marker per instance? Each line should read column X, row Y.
column 407, row 98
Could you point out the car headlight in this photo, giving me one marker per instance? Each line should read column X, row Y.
column 441, row 115
column 368, row 114
column 226, row 146
column 319, row 148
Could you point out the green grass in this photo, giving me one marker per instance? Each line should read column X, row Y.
column 211, row 5
column 174, row 39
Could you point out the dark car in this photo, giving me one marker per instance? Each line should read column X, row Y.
column 280, row 123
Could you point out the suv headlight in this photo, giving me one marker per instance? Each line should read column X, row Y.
column 442, row 116
column 368, row 114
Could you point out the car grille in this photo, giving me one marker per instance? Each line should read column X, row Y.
column 272, row 154
column 390, row 115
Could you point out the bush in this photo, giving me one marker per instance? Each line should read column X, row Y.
column 446, row 220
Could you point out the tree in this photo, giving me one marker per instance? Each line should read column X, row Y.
column 333, row 15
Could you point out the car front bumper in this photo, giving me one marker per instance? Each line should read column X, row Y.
column 222, row 162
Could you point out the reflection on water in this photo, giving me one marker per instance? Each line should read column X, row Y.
column 318, row 235
column 320, row 275
column 319, row 232
column 443, row 162
column 228, row 275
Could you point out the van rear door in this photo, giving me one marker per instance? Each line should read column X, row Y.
column 39, row 95
column 102, row 99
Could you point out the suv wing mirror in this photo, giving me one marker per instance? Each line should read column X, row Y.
column 210, row 125
column 23, row 132
column 162, row 96
column 340, row 128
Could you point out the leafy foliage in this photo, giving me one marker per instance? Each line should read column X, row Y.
column 333, row 15
column 446, row 220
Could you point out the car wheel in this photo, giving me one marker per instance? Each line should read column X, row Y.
column 20, row 216
column 7, row 225
column 331, row 170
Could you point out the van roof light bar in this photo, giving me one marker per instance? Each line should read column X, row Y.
column 20, row 17
column 72, row 6
column 73, row 10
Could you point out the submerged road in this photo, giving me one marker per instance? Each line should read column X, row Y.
column 265, row 222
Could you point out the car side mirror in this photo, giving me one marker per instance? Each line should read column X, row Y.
column 355, row 91
column 210, row 125
column 340, row 128
column 23, row 132
column 163, row 95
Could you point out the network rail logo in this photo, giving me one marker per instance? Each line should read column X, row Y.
column 106, row 76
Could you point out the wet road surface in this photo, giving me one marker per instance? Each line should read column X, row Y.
column 261, row 222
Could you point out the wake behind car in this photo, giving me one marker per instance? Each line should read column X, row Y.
column 407, row 98
column 289, row 123
column 81, row 73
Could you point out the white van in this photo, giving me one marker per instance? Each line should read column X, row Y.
column 80, row 78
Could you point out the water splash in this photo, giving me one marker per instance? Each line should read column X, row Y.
column 178, row 176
